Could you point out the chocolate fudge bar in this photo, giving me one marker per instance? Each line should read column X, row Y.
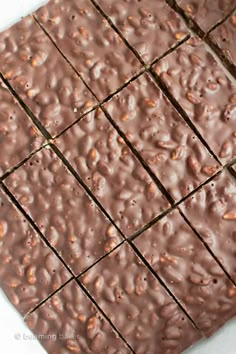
column 112, row 172
column 68, row 322
column 212, row 212
column 162, row 137
column 150, row 26
column 207, row 13
column 189, row 270
column 19, row 137
column 91, row 45
column 62, row 210
column 138, row 305
column 42, row 77
column 225, row 37
column 29, row 270
column 207, row 95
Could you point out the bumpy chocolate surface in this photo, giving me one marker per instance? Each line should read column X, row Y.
column 201, row 87
column 18, row 135
column 112, row 172
column 67, row 217
column 42, row 77
column 164, row 140
column 29, row 270
column 69, row 323
column 88, row 41
column 212, row 211
column 146, row 315
column 141, row 23
column 138, row 305
column 225, row 37
column 190, row 272
column 207, row 13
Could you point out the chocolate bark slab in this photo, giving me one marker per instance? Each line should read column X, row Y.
column 62, row 210
column 42, row 77
column 206, row 94
column 18, row 135
column 189, row 271
column 150, row 26
column 225, row 37
column 112, row 172
column 207, row 13
column 138, row 305
column 212, row 212
column 92, row 46
column 68, row 322
column 161, row 136
column 29, row 270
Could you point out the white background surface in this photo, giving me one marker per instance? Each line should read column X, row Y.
column 15, row 337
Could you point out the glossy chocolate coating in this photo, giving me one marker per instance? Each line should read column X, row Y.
column 157, row 131
column 42, row 77
column 29, row 270
column 141, row 23
column 18, row 135
column 112, row 172
column 201, row 87
column 225, row 37
column 62, row 210
column 212, row 211
column 88, row 41
column 69, row 323
column 207, row 13
column 190, row 272
column 138, row 305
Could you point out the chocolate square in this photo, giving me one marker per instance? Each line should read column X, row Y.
column 91, row 45
column 112, row 172
column 190, row 272
column 161, row 136
column 42, row 77
column 138, row 305
column 62, row 210
column 150, row 26
column 207, row 95
column 212, row 212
